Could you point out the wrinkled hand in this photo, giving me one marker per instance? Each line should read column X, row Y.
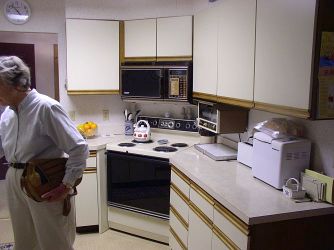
column 57, row 194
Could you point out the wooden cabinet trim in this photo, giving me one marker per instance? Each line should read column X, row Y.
column 202, row 193
column 201, row 215
column 235, row 101
column 181, row 175
column 90, row 170
column 93, row 92
column 284, row 110
column 230, row 244
column 179, row 217
column 92, row 153
column 242, row 226
column 174, row 58
column 179, row 193
column 140, row 59
column 204, row 96
column 177, row 238
column 121, row 42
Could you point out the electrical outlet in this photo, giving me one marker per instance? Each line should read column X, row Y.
column 105, row 114
column 72, row 115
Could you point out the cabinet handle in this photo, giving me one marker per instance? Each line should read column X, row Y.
column 179, row 193
column 202, row 193
column 232, row 218
column 178, row 216
column 90, row 170
column 230, row 244
column 181, row 175
column 177, row 238
column 201, row 215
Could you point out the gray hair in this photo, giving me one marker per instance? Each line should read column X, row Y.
column 14, row 72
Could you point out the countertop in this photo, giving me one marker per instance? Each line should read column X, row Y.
column 233, row 185
column 100, row 142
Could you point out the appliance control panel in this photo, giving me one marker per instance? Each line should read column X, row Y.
column 172, row 124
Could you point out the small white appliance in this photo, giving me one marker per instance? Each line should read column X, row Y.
column 245, row 153
column 277, row 160
column 142, row 132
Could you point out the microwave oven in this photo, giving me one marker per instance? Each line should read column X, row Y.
column 162, row 82
column 222, row 118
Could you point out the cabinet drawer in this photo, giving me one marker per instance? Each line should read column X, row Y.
column 179, row 204
column 202, row 200
column 231, row 226
column 178, row 227
column 180, row 181
column 174, row 241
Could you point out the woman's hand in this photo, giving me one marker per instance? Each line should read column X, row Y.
column 57, row 194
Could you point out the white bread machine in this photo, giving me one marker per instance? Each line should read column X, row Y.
column 277, row 160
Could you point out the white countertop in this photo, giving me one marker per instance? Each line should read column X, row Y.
column 100, row 142
column 232, row 184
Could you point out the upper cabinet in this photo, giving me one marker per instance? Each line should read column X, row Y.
column 284, row 51
column 236, row 42
column 140, row 39
column 224, row 40
column 205, row 54
column 161, row 39
column 92, row 56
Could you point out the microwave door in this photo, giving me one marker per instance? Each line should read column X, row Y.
column 141, row 83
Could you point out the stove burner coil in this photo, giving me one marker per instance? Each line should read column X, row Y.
column 179, row 145
column 165, row 149
column 126, row 144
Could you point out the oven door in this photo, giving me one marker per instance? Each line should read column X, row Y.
column 141, row 82
column 138, row 183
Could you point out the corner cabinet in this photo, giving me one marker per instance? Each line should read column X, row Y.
column 158, row 39
column 92, row 56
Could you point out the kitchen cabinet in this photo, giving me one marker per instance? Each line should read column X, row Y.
column 205, row 54
column 140, row 39
column 224, row 40
column 159, row 39
column 87, row 199
column 92, row 56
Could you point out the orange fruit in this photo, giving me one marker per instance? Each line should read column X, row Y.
column 86, row 126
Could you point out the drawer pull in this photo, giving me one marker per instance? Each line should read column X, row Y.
column 179, row 193
column 243, row 227
column 177, row 238
column 181, row 175
column 179, row 217
column 230, row 244
column 202, row 193
column 201, row 215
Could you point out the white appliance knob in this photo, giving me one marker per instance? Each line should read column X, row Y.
column 178, row 125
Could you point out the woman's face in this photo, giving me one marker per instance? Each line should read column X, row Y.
column 7, row 94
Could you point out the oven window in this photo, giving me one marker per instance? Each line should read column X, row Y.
column 139, row 183
column 141, row 83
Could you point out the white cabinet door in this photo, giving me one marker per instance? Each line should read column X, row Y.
column 200, row 234
column 205, row 52
column 283, row 60
column 86, row 201
column 218, row 244
column 92, row 55
column 174, row 36
column 236, row 43
column 140, row 38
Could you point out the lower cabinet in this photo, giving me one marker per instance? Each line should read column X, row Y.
column 86, row 202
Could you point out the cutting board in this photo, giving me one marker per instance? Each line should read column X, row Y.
column 217, row 151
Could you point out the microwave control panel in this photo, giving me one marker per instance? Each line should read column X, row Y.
column 178, row 84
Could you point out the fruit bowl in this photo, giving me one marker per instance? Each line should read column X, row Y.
column 87, row 129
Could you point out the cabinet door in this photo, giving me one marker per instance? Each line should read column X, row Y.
column 236, row 43
column 205, row 54
column 86, row 200
column 92, row 56
column 218, row 244
column 140, row 38
column 174, row 36
column 200, row 233
column 283, row 60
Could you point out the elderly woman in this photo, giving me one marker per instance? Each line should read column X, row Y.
column 34, row 126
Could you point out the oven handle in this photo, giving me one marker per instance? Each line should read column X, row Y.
column 139, row 158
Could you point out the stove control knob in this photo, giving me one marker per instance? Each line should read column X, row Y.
column 171, row 124
column 194, row 126
column 187, row 125
column 177, row 125
column 155, row 122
